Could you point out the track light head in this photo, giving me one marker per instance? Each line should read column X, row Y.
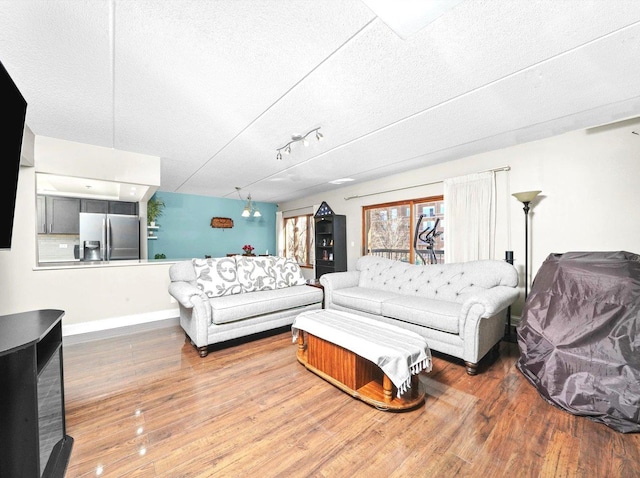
column 319, row 135
column 279, row 156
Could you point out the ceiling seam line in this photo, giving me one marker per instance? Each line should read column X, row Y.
column 295, row 85
column 445, row 102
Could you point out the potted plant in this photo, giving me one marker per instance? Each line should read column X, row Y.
column 248, row 250
column 160, row 256
column 154, row 210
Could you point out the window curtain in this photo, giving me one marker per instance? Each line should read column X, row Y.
column 469, row 206
column 279, row 234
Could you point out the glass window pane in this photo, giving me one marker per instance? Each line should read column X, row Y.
column 390, row 231
column 298, row 232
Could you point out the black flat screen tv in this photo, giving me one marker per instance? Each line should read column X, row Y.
column 13, row 111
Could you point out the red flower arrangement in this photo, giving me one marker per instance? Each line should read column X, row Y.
column 247, row 248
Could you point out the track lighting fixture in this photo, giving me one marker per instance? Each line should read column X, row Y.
column 250, row 209
column 296, row 138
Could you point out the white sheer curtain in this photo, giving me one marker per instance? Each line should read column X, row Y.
column 469, row 207
column 279, row 234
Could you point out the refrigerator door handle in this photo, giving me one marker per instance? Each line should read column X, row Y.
column 108, row 241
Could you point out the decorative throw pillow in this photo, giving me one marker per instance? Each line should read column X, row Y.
column 288, row 273
column 217, row 276
column 256, row 273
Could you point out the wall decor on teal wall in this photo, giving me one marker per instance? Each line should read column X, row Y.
column 184, row 230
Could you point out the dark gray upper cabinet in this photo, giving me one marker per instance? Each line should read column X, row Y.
column 111, row 207
column 41, row 207
column 121, row 207
column 94, row 205
column 62, row 215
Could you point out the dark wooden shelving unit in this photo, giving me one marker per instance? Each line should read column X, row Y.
column 330, row 241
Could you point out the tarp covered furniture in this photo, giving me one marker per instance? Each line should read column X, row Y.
column 579, row 336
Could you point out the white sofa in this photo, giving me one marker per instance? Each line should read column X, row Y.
column 459, row 308
column 230, row 297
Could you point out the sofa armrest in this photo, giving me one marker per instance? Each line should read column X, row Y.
column 195, row 311
column 183, row 292
column 491, row 300
column 337, row 280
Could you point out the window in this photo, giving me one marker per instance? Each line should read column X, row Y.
column 390, row 230
column 298, row 239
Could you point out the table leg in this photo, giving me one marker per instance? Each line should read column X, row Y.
column 387, row 388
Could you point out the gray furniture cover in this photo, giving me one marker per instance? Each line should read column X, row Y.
column 579, row 336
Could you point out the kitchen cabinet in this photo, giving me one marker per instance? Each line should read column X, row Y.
column 109, row 207
column 123, row 207
column 94, row 206
column 61, row 215
column 58, row 215
column 330, row 241
column 41, row 209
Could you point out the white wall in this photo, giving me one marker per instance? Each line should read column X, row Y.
column 589, row 183
column 92, row 298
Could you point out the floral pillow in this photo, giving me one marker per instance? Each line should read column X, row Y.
column 256, row 273
column 288, row 272
column 217, row 276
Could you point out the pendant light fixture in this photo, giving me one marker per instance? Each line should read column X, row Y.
column 250, row 209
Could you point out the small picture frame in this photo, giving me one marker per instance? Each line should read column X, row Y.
column 325, row 255
column 331, row 256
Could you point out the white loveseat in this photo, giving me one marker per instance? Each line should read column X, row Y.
column 230, row 297
column 459, row 308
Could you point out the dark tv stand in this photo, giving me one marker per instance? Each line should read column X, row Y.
column 33, row 432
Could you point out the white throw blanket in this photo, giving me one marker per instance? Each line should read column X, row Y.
column 398, row 352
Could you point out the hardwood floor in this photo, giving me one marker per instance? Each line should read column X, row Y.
column 146, row 405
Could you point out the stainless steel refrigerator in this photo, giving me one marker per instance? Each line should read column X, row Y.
column 109, row 237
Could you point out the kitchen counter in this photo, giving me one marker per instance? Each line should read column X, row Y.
column 93, row 264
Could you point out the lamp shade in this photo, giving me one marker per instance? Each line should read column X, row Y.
column 526, row 196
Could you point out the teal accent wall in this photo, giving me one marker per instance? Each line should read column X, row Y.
column 185, row 227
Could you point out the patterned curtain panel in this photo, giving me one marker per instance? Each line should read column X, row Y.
column 469, row 202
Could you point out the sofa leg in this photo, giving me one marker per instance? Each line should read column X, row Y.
column 472, row 368
column 203, row 351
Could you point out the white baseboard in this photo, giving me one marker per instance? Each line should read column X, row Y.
column 118, row 322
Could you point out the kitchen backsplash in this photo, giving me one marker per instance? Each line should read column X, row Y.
column 57, row 248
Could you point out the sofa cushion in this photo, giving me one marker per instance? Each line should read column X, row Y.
column 243, row 306
column 268, row 273
column 288, row 272
column 217, row 276
column 435, row 314
column 361, row 298
column 256, row 273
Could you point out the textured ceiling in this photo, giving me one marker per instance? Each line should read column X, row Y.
column 215, row 87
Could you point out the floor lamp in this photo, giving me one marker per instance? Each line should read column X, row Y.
column 525, row 198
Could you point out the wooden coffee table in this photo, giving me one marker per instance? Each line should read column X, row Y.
column 355, row 375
